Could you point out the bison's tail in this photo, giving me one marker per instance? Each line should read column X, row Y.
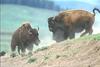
column 95, row 9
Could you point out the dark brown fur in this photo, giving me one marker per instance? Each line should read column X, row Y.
column 74, row 21
column 24, row 37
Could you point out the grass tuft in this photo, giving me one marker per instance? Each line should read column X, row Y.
column 41, row 49
column 57, row 56
column 45, row 57
column 31, row 60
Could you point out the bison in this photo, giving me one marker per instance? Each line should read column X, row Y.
column 69, row 22
column 24, row 38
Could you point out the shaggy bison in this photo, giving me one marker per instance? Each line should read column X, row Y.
column 69, row 22
column 24, row 38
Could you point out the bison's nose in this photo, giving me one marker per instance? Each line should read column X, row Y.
column 50, row 29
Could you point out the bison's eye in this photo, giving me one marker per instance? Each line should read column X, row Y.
column 37, row 34
column 29, row 31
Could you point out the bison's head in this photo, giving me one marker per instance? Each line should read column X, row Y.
column 34, row 36
column 51, row 24
column 26, row 26
column 58, row 29
column 29, row 34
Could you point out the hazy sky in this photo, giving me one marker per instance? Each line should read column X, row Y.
column 93, row 2
column 88, row 1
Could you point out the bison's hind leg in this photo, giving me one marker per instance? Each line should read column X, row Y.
column 88, row 27
column 88, row 30
column 72, row 35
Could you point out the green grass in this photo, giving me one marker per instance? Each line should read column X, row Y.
column 31, row 60
column 57, row 56
column 90, row 37
column 45, row 57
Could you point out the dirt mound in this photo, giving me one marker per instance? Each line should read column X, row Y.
column 73, row 53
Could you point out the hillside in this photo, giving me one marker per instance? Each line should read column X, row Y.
column 81, row 52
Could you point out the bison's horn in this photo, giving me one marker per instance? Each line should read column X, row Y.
column 53, row 18
column 38, row 29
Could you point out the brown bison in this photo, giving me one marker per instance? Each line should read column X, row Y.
column 24, row 38
column 69, row 22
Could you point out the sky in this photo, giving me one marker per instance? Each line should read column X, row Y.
column 88, row 1
column 92, row 2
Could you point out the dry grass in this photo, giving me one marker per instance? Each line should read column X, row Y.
column 82, row 52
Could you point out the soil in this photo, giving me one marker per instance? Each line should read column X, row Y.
column 64, row 54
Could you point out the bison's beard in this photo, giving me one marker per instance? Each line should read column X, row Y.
column 37, row 42
column 58, row 35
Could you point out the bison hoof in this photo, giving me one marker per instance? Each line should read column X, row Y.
column 13, row 55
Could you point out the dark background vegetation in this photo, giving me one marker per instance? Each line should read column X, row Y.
column 46, row 4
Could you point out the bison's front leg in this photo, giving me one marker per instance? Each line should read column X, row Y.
column 30, row 48
column 22, row 47
column 13, row 48
column 72, row 35
column 19, row 48
column 23, row 52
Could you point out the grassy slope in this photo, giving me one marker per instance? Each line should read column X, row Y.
column 91, row 37
column 81, row 52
